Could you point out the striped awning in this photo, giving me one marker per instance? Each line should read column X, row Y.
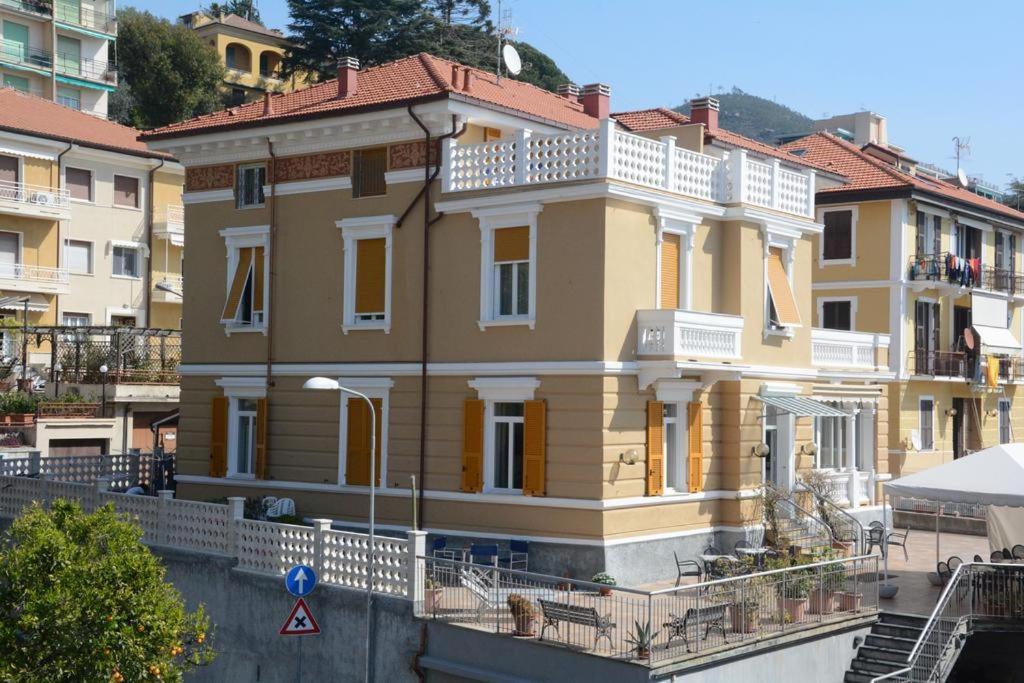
column 802, row 406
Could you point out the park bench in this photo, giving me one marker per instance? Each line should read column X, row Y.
column 557, row 612
column 712, row 617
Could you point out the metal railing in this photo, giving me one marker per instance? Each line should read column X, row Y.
column 130, row 355
column 89, row 18
column 27, row 271
column 970, row 510
column 43, row 8
column 19, row 53
column 936, row 267
column 796, row 526
column 942, row 363
column 845, row 527
column 24, row 193
column 85, row 67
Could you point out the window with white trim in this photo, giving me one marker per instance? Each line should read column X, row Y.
column 926, row 416
column 366, row 301
column 1005, row 429
column 837, row 314
column 675, row 447
column 249, row 185
column 508, row 276
column 126, row 261
column 837, row 239
column 76, row 319
column 78, row 256
column 504, row 432
column 246, row 303
column 242, row 437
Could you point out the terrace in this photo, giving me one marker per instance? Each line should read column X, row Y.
column 38, row 201
column 111, row 355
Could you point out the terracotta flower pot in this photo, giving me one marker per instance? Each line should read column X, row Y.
column 844, row 547
column 822, row 602
column 793, row 608
column 643, row 652
column 744, row 620
column 604, row 591
column 524, row 624
column 850, row 602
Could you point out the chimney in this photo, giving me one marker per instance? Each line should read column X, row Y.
column 705, row 110
column 348, row 83
column 569, row 91
column 455, row 77
column 467, row 83
column 597, row 99
column 268, row 104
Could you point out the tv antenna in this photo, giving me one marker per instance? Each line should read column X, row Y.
column 961, row 145
column 510, row 57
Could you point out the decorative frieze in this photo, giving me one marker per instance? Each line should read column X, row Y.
column 410, row 155
column 202, row 178
column 313, row 166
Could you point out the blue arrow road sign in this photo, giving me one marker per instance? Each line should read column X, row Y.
column 300, row 580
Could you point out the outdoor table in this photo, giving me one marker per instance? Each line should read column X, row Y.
column 757, row 553
column 713, row 558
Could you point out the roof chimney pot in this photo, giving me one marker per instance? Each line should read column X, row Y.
column 455, row 77
column 569, row 91
column 705, row 110
column 268, row 104
column 597, row 100
column 467, row 82
column 348, row 82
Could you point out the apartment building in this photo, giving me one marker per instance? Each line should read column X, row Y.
column 586, row 329
column 934, row 265
column 251, row 53
column 60, row 51
column 91, row 238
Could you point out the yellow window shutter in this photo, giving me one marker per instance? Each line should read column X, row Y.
column 219, row 437
column 473, row 446
column 371, row 255
column 534, row 441
column 261, row 438
column 357, row 453
column 780, row 291
column 670, row 271
column 655, row 448
column 511, row 244
column 695, row 469
column 237, row 285
column 257, row 279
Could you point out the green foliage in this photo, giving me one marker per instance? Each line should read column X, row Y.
column 757, row 117
column 1014, row 194
column 18, row 402
column 84, row 600
column 244, row 8
column 170, row 73
column 603, row 578
column 642, row 637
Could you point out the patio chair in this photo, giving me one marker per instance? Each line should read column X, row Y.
column 712, row 549
column 686, row 568
column 876, row 538
column 942, row 569
column 517, row 556
column 1017, row 551
column 484, row 553
column 996, row 556
column 899, row 538
column 1007, row 555
column 439, row 549
column 953, row 562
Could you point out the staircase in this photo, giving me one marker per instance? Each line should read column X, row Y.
column 887, row 647
column 801, row 528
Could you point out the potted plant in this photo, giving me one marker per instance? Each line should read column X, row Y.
column 823, row 597
column 745, row 615
column 523, row 613
column 793, row 592
column 606, row 580
column 432, row 592
column 849, row 601
column 641, row 638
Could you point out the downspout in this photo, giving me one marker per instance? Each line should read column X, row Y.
column 60, row 253
column 268, row 293
column 428, row 179
column 151, row 210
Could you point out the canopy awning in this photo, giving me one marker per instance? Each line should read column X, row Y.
column 801, row 406
column 997, row 340
column 37, row 303
column 994, row 476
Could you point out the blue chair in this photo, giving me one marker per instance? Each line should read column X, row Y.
column 517, row 556
column 439, row 548
column 485, row 554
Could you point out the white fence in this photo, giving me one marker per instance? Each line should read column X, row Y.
column 123, row 470
column 842, row 348
column 669, row 332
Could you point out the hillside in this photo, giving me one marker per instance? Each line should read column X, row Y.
column 757, row 117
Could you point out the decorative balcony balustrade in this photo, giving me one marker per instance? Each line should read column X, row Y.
column 35, row 195
column 686, row 334
column 844, row 349
column 605, row 152
column 30, row 273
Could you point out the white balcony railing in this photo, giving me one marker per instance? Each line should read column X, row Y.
column 609, row 153
column 667, row 332
column 43, row 197
column 175, row 214
column 30, row 273
column 842, row 349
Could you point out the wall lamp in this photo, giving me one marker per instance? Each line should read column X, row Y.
column 761, row 450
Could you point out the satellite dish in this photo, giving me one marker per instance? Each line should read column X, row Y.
column 969, row 338
column 513, row 63
column 961, row 176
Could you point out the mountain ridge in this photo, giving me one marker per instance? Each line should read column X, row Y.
column 757, row 117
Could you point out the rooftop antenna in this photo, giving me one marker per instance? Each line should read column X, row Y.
column 503, row 30
column 961, row 145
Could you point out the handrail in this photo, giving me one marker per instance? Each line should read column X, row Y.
column 851, row 520
column 828, row 530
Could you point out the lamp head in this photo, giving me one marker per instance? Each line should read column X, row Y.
column 322, row 383
column 104, row 369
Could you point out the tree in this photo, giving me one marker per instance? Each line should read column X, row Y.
column 244, row 8
column 452, row 12
column 1014, row 195
column 84, row 600
column 171, row 74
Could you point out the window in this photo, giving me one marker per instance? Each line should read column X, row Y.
column 126, row 261
column 504, row 437
column 369, row 167
column 371, row 259
column 782, row 311
column 937, row 235
column 78, row 181
column 243, row 443
column 837, row 315
column 512, row 272
column 270, row 63
column 1005, row 429
column 238, row 429
column 251, row 179
column 837, row 238
column 69, row 97
column 927, row 338
column 238, row 57
column 15, row 42
column 76, row 320
column 245, row 305
column 69, row 56
column 926, row 409
column 8, row 171
column 831, row 442
column 237, row 97
column 507, row 432
column 16, row 82
column 126, row 191
column 833, row 438
column 367, row 272
column 78, row 256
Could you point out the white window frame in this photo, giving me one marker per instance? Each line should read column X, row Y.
column 854, row 214
column 685, row 226
column 373, row 387
column 1005, row 420
column 496, row 219
column 852, row 300
column 92, row 256
column 21, row 252
column 92, row 183
column 141, row 185
column 138, row 262
column 238, row 185
column 680, row 394
column 492, row 390
column 244, row 238
column 785, row 240
column 353, row 230
column 64, row 316
column 920, row 424
column 235, row 388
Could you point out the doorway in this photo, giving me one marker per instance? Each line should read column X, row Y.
column 958, row 428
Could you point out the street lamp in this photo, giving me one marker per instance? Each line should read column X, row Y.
column 57, row 367
column 328, row 384
column 103, row 379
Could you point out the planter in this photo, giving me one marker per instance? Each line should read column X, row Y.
column 822, row 602
column 794, row 609
column 604, row 591
column 744, row 620
column 17, row 418
column 432, row 599
column 844, row 547
column 524, row 624
column 643, row 652
column 850, row 602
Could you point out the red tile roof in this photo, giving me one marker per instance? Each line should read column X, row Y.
column 419, row 77
column 865, row 172
column 654, row 119
column 31, row 115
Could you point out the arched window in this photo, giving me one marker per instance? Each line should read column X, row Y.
column 237, row 56
column 270, row 64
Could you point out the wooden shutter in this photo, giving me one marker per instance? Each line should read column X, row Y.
column 261, row 438
column 257, row 279
column 357, row 441
column 534, row 452
column 655, row 448
column 695, row 464
column 473, row 446
column 370, row 167
column 238, row 281
column 669, row 271
column 511, row 244
column 126, row 191
column 780, row 291
column 219, row 437
column 371, row 269
column 8, row 169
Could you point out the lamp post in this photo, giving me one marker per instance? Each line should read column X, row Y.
column 57, row 367
column 103, row 380
column 327, row 384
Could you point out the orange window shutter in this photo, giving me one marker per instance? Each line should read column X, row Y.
column 261, row 438
column 473, row 446
column 655, row 448
column 780, row 291
column 357, row 449
column 238, row 281
column 219, row 437
column 371, row 267
column 695, row 464
column 511, row 244
column 534, row 452
column 670, row 271
column 257, row 279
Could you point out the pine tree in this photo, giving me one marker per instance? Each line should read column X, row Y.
column 244, row 8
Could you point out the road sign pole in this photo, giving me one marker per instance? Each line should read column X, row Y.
column 298, row 663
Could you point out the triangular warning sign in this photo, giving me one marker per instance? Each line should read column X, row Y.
column 300, row 621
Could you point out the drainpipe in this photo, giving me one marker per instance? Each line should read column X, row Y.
column 268, row 288
column 150, row 211
column 428, row 179
column 60, row 243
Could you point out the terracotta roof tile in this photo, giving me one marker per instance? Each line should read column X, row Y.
column 412, row 78
column 31, row 115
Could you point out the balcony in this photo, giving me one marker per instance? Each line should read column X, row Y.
column 14, row 52
column 170, row 225
column 953, row 364
column 77, row 15
column 686, row 335
column 42, row 9
column 21, row 277
column 844, row 349
column 938, row 269
column 168, row 289
column 34, row 200
column 607, row 153
column 89, row 69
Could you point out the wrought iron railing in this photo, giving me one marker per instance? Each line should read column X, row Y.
column 113, row 355
column 796, row 526
column 939, row 268
column 16, row 52
column 943, row 363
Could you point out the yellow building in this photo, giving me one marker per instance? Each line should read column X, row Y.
column 934, row 266
column 607, row 347
column 251, row 53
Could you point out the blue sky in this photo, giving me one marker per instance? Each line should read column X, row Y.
column 935, row 69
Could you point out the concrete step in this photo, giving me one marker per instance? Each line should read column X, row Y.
column 880, row 654
column 873, row 666
column 902, row 619
column 859, row 677
column 897, row 630
column 887, row 642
